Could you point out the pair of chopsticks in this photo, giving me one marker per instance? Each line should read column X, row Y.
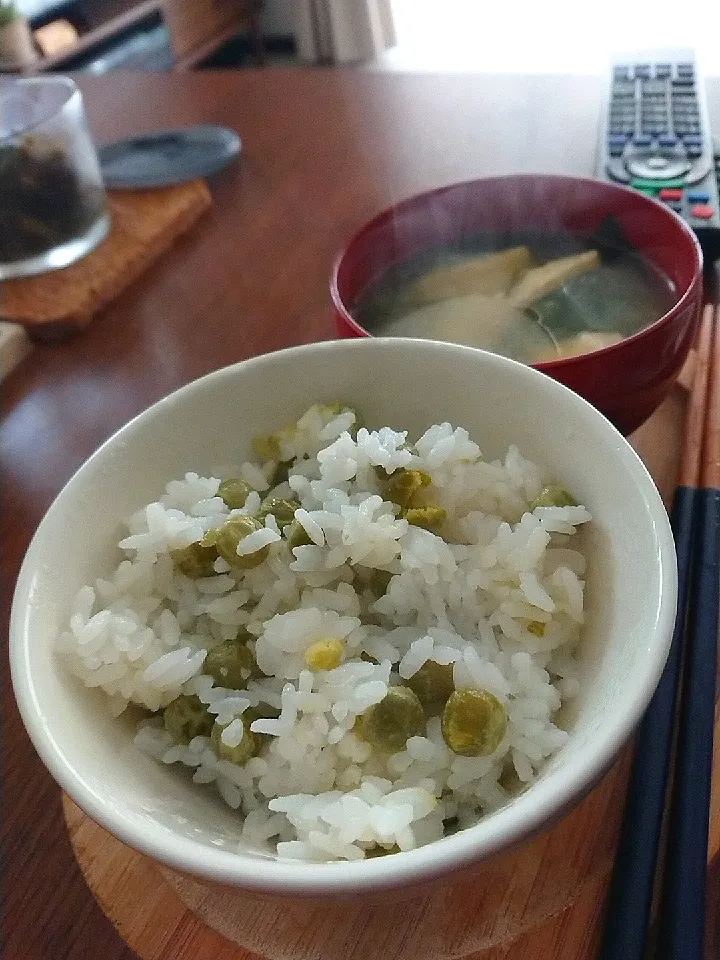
column 682, row 711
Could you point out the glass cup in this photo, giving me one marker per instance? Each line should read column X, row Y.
column 53, row 206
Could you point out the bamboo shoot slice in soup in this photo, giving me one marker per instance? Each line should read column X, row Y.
column 534, row 302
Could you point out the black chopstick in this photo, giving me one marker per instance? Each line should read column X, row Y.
column 681, row 922
column 631, row 887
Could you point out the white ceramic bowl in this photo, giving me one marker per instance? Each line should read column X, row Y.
column 631, row 591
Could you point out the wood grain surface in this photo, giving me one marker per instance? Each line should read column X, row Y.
column 543, row 899
column 323, row 150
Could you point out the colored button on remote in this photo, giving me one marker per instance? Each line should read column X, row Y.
column 702, row 211
column 698, row 196
column 643, row 183
column 671, row 193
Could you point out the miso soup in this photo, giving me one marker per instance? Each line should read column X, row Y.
column 530, row 297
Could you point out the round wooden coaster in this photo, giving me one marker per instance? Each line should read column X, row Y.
column 542, row 899
column 141, row 905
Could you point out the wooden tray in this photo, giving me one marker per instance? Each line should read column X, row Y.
column 144, row 224
column 542, row 901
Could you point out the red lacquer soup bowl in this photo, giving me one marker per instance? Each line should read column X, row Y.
column 625, row 381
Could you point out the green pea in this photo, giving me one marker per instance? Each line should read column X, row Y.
column 227, row 537
column 297, row 535
column 473, row 723
column 388, row 724
column 379, row 581
column 325, row 654
column 234, row 492
column 433, row 684
column 510, row 781
column 282, row 508
column 280, row 473
column 268, row 447
column 337, row 407
column 382, row 474
column 187, row 717
column 553, row 496
column 429, row 518
column 403, row 486
column 231, row 664
column 331, row 410
column 248, row 747
column 195, row 560
column 378, row 851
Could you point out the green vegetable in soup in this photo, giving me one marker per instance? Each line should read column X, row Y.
column 234, row 491
column 388, row 724
column 227, row 537
column 473, row 723
column 433, row 685
column 196, row 560
column 187, row 717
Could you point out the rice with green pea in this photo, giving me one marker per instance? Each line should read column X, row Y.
column 475, row 606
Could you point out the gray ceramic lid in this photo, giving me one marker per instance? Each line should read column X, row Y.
column 165, row 157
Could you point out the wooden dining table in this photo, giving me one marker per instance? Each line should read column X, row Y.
column 323, row 150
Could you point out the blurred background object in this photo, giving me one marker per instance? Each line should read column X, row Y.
column 101, row 35
column 406, row 35
column 549, row 38
column 53, row 207
column 343, row 31
column 17, row 50
column 56, row 36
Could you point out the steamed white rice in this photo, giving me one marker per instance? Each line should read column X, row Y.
column 473, row 598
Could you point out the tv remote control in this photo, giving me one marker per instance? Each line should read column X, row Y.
column 655, row 137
